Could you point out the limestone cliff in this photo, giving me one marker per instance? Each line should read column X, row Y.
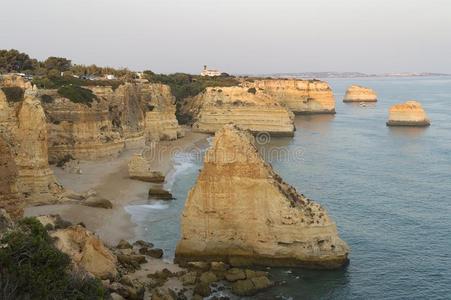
column 122, row 118
column 24, row 154
column 240, row 211
column 356, row 93
column 84, row 132
column 410, row 113
column 10, row 80
column 248, row 108
column 159, row 108
column 300, row 96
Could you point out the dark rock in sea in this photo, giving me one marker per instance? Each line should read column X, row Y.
column 152, row 252
column 160, row 194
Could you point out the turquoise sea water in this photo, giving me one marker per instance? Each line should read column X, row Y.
column 388, row 189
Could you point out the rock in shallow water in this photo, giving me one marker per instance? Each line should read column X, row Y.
column 241, row 212
column 410, row 113
column 160, row 194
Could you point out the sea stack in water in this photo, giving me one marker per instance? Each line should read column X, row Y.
column 241, row 212
column 356, row 93
column 410, row 113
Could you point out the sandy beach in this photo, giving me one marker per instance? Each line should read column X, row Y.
column 109, row 179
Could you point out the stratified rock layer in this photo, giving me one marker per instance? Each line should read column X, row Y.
column 241, row 212
column 159, row 107
column 122, row 118
column 356, row 93
column 410, row 113
column 24, row 155
column 300, row 96
column 253, row 110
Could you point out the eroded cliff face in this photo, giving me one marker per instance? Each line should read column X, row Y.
column 356, row 93
column 410, row 113
column 300, row 96
column 84, row 132
column 240, row 211
column 253, row 110
column 24, row 155
column 159, row 109
column 126, row 117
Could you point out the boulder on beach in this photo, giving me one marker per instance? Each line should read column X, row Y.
column 242, row 213
column 410, row 113
column 139, row 169
column 357, row 93
column 86, row 251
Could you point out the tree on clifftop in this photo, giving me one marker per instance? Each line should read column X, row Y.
column 57, row 63
column 15, row 61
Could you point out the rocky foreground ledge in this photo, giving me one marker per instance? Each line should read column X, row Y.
column 410, row 113
column 242, row 213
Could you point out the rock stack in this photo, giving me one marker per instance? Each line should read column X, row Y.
column 356, row 93
column 410, row 113
column 241, row 212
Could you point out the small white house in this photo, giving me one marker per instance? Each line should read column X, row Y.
column 209, row 72
column 110, row 77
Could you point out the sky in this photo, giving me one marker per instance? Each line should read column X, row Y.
column 235, row 36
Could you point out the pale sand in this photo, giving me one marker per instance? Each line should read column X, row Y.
column 110, row 180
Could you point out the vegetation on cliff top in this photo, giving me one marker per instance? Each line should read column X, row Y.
column 186, row 85
column 31, row 267
column 77, row 94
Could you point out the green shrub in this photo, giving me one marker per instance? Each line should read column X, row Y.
column 32, row 268
column 13, row 94
column 252, row 90
column 77, row 94
column 47, row 98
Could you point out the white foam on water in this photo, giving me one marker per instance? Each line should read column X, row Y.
column 182, row 162
column 157, row 205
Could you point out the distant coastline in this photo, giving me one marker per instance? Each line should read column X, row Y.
column 348, row 74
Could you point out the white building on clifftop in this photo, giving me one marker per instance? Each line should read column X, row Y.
column 211, row 73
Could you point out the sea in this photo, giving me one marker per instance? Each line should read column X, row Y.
column 388, row 189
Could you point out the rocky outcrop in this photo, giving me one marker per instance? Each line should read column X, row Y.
column 139, row 169
column 24, row 155
column 300, row 96
column 356, row 93
column 410, row 113
column 247, row 107
column 86, row 251
column 240, row 211
column 159, row 108
column 11, row 80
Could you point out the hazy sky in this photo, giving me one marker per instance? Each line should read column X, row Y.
column 236, row 36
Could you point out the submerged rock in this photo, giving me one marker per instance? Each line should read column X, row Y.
column 356, row 93
column 410, row 113
column 249, row 287
column 241, row 212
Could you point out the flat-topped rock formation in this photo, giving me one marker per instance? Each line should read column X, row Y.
column 300, row 96
column 159, row 107
column 139, row 169
column 410, row 113
column 356, row 93
column 241, row 212
column 24, row 155
column 247, row 107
